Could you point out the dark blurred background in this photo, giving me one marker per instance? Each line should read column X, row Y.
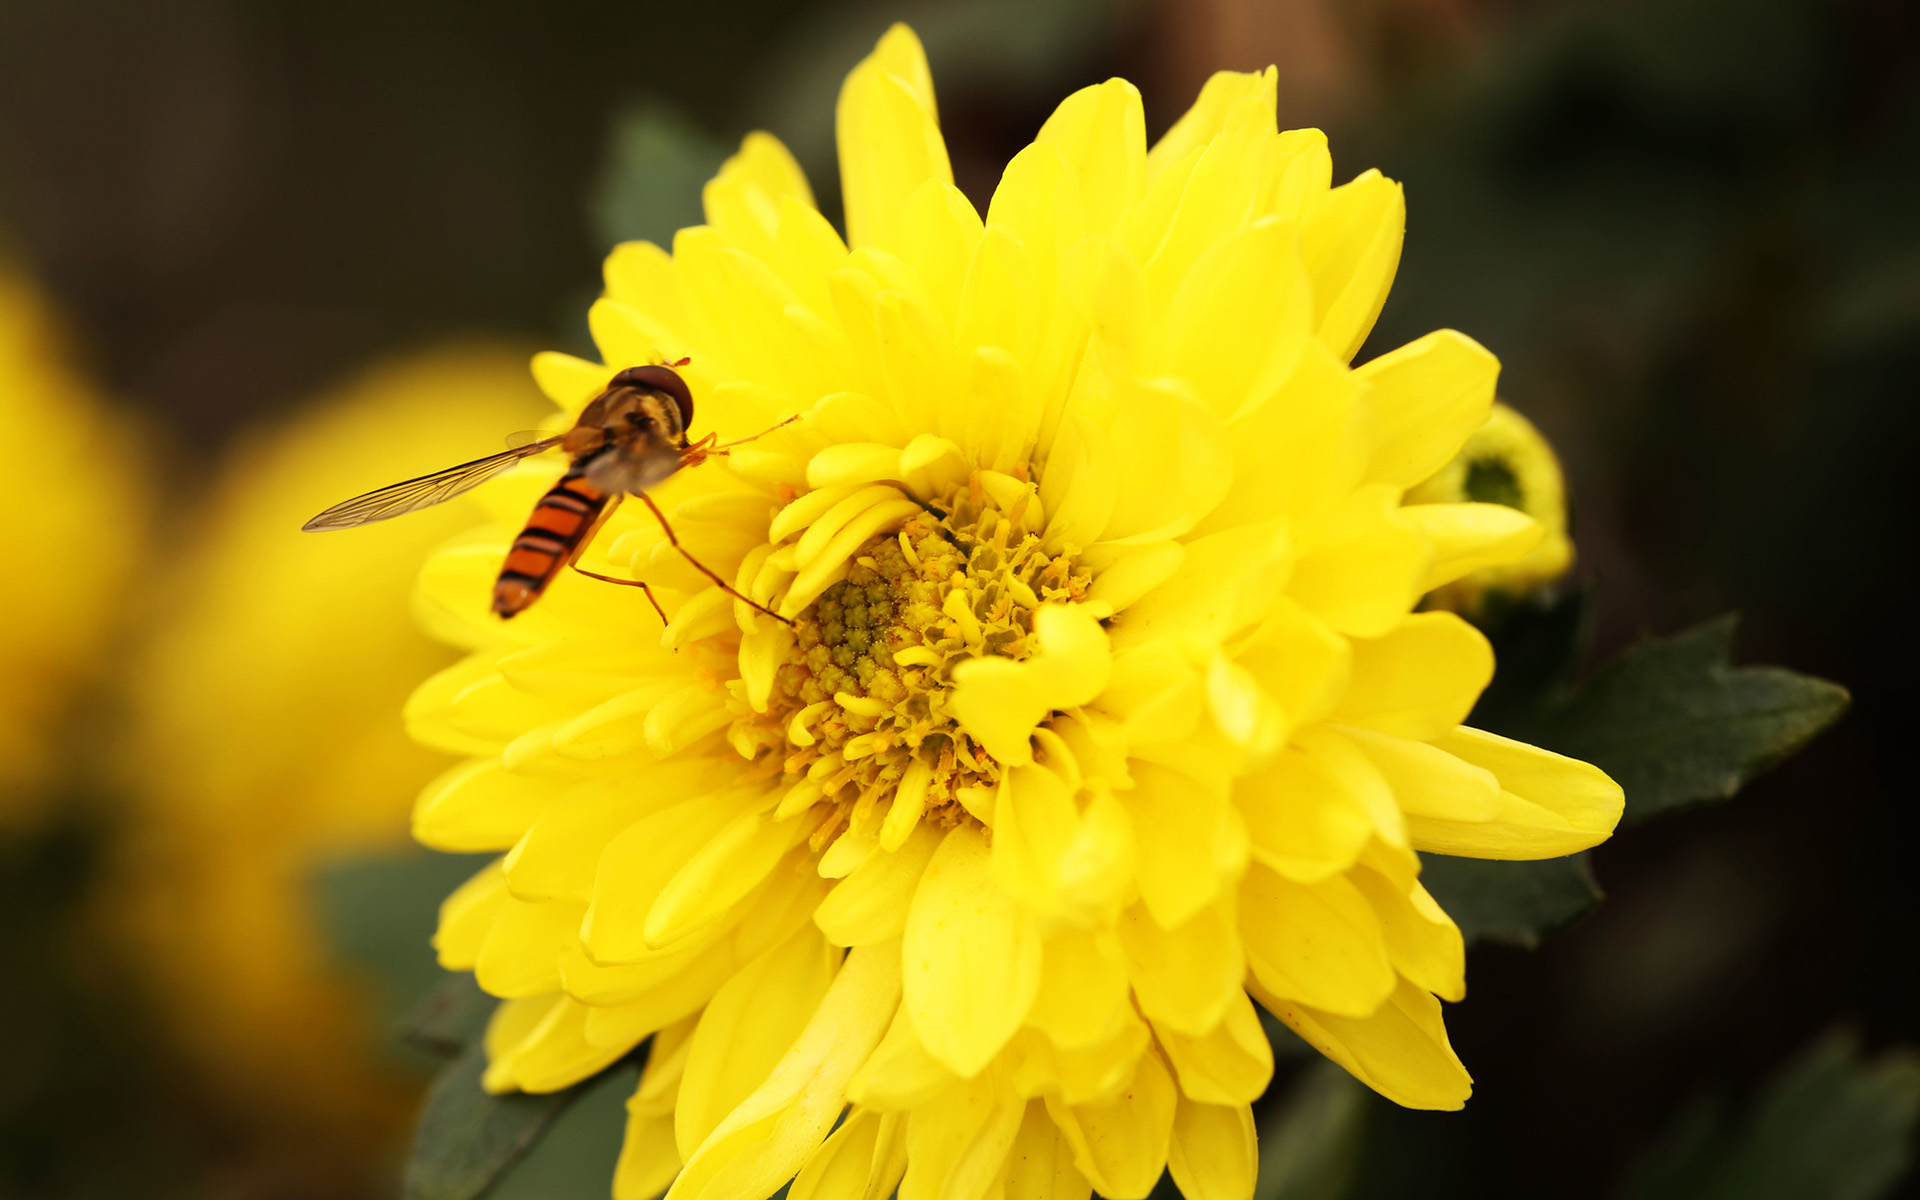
column 1685, row 226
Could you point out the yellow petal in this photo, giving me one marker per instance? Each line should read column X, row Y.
column 1469, row 537
column 1040, row 1165
column 467, row 915
column 1550, row 805
column 1423, row 400
column 1161, row 432
column 1121, row 1147
column 1309, row 815
column 636, row 865
column 629, row 333
column 869, row 905
column 1190, row 842
column 863, row 1160
column 889, row 137
column 1000, row 300
column 763, row 1142
column 1299, row 663
column 1400, row 1051
column 1426, row 781
column 1362, row 567
column 1231, row 1064
column 1297, row 450
column 1095, row 1074
column 1097, row 866
column 513, row 1023
column 1229, row 581
column 743, row 199
column 1351, row 238
column 1222, row 185
column 640, row 275
column 1198, row 125
column 1136, row 572
column 741, row 1036
column 1422, row 941
column 558, row 855
column 647, row 1162
column 999, row 701
column 1212, row 1154
column 648, row 1157
column 899, row 1074
column 1418, row 681
column 1083, row 989
column 1101, row 132
column 1318, row 944
column 1241, row 320
column 568, row 381
column 555, row 1054
column 719, row 875
column 1188, row 977
column 521, row 956
column 958, row 1141
column 939, row 232
column 1302, row 172
column 971, row 957
column 1034, row 818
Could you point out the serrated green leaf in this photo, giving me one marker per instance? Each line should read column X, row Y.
column 467, row 1139
column 1675, row 724
column 1832, row 1126
column 1310, row 1146
column 1515, row 903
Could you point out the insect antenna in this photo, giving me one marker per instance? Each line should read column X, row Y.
column 701, row 567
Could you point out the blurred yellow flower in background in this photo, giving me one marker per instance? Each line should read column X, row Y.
column 266, row 742
column 1103, row 711
column 79, row 487
column 1506, row 461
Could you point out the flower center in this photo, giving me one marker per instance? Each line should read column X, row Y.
column 860, row 712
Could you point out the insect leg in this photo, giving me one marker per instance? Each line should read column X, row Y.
column 641, row 584
column 697, row 453
column 764, row 432
column 701, row 567
column 573, row 560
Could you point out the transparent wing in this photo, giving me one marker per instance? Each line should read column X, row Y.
column 424, row 492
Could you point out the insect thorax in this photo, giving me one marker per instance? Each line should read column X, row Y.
column 629, row 439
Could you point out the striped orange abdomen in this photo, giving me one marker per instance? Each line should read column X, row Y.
column 564, row 516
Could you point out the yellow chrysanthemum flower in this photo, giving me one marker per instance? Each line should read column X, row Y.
column 86, row 489
column 1104, row 712
column 1505, row 461
column 266, row 638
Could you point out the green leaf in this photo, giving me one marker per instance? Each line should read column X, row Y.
column 1675, row 724
column 1669, row 719
column 378, row 913
column 1515, row 903
column 576, row 1157
column 1537, row 644
column 451, row 1018
column 467, row 1139
column 1310, row 1146
column 1832, row 1126
column 649, row 188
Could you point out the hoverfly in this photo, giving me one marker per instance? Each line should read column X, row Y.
column 632, row 436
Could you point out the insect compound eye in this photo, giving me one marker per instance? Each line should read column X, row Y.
column 660, row 379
